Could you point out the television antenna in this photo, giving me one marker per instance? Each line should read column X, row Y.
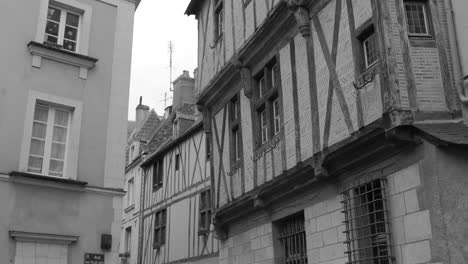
column 171, row 52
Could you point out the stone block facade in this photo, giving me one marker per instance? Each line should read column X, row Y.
column 254, row 245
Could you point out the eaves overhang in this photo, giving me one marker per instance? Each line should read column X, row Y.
column 194, row 7
column 376, row 143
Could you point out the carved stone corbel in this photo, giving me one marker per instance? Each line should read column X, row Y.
column 220, row 231
column 246, row 79
column 206, row 121
column 301, row 14
column 246, row 76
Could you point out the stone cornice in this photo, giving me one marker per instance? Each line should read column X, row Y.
column 43, row 238
column 56, row 54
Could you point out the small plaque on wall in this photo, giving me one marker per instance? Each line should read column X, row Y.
column 94, row 258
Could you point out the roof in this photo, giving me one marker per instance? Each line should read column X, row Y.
column 130, row 127
column 144, row 130
column 148, row 125
column 445, row 133
column 193, row 7
column 186, row 109
column 170, row 142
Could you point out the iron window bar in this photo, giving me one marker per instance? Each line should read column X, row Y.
column 293, row 240
column 366, row 220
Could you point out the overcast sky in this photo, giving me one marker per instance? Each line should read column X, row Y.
column 156, row 23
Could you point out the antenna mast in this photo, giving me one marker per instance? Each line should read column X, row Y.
column 171, row 51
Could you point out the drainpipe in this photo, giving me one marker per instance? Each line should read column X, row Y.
column 455, row 47
column 140, row 218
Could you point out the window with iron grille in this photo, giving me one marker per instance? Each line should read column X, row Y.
column 293, row 239
column 417, row 18
column 235, row 135
column 205, row 212
column 367, row 226
column 159, row 237
column 158, row 174
column 268, row 103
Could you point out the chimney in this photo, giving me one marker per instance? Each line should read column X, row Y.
column 183, row 90
column 167, row 111
column 141, row 112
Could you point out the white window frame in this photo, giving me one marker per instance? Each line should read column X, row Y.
column 264, row 126
column 73, row 140
column 62, row 25
column 366, row 63
column 276, row 117
column 48, row 140
column 426, row 23
column 130, row 192
column 73, row 6
column 128, row 240
column 236, row 138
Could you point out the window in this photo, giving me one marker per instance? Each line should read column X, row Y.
column 158, row 171
column 367, row 226
column 62, row 28
column 208, row 148
column 293, row 239
column 205, row 211
column 369, row 47
column 41, row 252
column 49, row 138
column 175, row 128
column 218, row 18
column 177, row 162
column 130, row 194
column 235, row 135
column 417, row 18
column 159, row 238
column 268, row 103
column 128, row 241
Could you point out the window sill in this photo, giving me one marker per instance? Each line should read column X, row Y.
column 157, row 246
column 155, row 188
column 235, row 165
column 422, row 42
column 203, row 231
column 32, row 176
column 268, row 146
column 39, row 51
column 367, row 76
column 217, row 40
column 129, row 208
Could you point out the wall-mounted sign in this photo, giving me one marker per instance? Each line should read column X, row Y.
column 93, row 258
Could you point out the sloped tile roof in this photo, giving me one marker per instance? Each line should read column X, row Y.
column 148, row 125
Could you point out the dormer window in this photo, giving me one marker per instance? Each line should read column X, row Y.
column 175, row 128
column 62, row 28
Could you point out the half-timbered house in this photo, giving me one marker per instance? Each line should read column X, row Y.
column 336, row 130
column 139, row 134
column 176, row 188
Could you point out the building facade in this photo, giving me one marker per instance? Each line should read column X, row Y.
column 140, row 132
column 176, row 187
column 63, row 107
column 336, row 128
